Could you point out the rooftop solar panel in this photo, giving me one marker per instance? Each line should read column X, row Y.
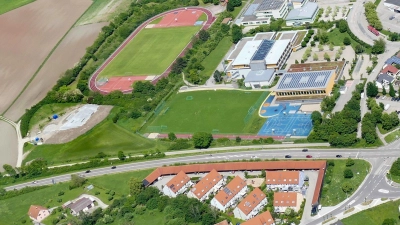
column 263, row 50
column 227, row 191
column 393, row 60
column 304, row 80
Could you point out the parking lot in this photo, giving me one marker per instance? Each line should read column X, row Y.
column 394, row 104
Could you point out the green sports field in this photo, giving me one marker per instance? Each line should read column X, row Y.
column 207, row 111
column 150, row 52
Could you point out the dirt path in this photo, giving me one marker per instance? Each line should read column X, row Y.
column 8, row 145
column 70, row 50
column 27, row 35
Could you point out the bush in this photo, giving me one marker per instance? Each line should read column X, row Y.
column 350, row 162
column 348, row 173
column 202, row 139
column 140, row 210
column 347, row 187
column 60, row 193
column 110, row 197
column 97, row 193
column 303, row 44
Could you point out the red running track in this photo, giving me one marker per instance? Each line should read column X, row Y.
column 230, row 136
column 92, row 80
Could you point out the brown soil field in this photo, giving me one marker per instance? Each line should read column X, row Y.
column 27, row 35
column 70, row 50
column 8, row 146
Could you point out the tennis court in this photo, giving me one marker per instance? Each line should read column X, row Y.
column 298, row 124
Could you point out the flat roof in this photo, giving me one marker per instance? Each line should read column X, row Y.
column 247, row 52
column 263, row 50
column 238, row 48
column 304, row 80
column 264, row 35
column 319, row 165
column 305, row 12
column 276, row 51
column 259, row 75
column 250, row 11
column 270, row 5
column 394, row 2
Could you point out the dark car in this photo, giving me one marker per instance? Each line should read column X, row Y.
column 338, row 156
column 393, row 98
column 377, row 97
column 87, row 171
column 309, row 156
column 304, row 150
column 288, row 156
column 113, row 167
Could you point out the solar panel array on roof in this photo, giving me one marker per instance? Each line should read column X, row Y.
column 270, row 5
column 263, row 50
column 304, row 80
column 227, row 191
column 394, row 59
column 252, row 8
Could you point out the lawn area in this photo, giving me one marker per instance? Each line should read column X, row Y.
column 156, row 21
column 383, row 131
column 375, row 215
column 208, row 110
column 211, row 62
column 45, row 113
column 237, row 10
column 8, row 5
column 150, row 52
column 105, row 137
column 332, row 193
column 15, row 209
column 392, row 136
column 337, row 38
column 203, row 17
column 300, row 36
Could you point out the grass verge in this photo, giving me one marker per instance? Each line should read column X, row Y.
column 375, row 215
column 392, row 136
column 383, row 131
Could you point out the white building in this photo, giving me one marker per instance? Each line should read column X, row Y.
column 211, row 183
column 261, row 12
column 285, row 180
column 82, row 205
column 251, row 205
column 229, row 196
column 305, row 14
column 284, row 200
column 177, row 185
column 38, row 213
column 260, row 78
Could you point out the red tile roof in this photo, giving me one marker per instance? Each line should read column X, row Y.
column 264, row 218
column 390, row 68
column 230, row 190
column 176, row 183
column 34, row 210
column 251, row 201
column 206, row 183
column 282, row 177
column 241, row 166
column 285, row 199
column 225, row 222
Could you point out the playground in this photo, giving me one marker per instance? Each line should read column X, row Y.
column 219, row 111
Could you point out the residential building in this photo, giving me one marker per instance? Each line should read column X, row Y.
column 209, row 184
column 305, row 85
column 260, row 78
column 284, row 180
column 393, row 60
column 264, row 218
column 38, row 213
column 225, row 222
column 251, row 205
column 261, row 12
column 284, row 200
column 229, row 195
column 391, row 70
column 383, row 80
column 302, row 15
column 81, row 205
column 177, row 185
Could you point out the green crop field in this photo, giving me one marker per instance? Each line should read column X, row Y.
column 208, row 110
column 150, row 52
column 106, row 137
column 375, row 215
column 8, row 5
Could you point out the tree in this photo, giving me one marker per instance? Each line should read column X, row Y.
column 342, row 26
column 389, row 221
column 320, row 47
column 323, row 36
column 135, row 186
column 346, row 41
column 303, row 44
column 202, row 139
column 326, row 57
column 315, row 57
column 76, row 181
column 238, row 139
column 348, row 173
column 316, row 117
column 331, row 47
column 207, row 219
column 392, row 93
column 171, row 136
column 379, row 46
column 296, row 61
column 349, row 162
column 236, row 33
column 9, row 170
column 121, row 155
column 359, row 49
column 217, row 76
column 204, row 35
column 328, row 103
column 230, row 7
column 394, row 36
column 372, row 89
column 347, row 187
column 389, row 120
column 312, row 43
column 384, row 90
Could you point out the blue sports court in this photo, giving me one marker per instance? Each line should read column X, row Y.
column 298, row 124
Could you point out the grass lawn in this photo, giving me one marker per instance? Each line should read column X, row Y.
column 383, row 131
column 15, row 209
column 150, row 52
column 222, row 110
column 332, row 193
column 337, row 39
column 8, row 5
column 105, row 137
column 300, row 36
column 211, row 62
column 375, row 215
column 156, row 21
column 237, row 10
column 47, row 111
column 392, row 136
column 203, row 17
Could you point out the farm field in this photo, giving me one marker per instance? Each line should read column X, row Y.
column 150, row 52
column 375, row 215
column 68, row 52
column 207, row 111
column 8, row 5
column 98, row 139
column 27, row 35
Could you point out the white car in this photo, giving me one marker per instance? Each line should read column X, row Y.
column 254, row 157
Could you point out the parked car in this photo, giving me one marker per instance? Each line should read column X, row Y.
column 113, row 167
column 338, row 156
column 309, row 156
column 378, row 96
column 288, row 156
column 305, row 150
column 392, row 99
column 87, row 171
column 34, row 182
column 383, row 97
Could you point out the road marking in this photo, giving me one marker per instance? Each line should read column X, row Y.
column 352, row 202
column 383, row 191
